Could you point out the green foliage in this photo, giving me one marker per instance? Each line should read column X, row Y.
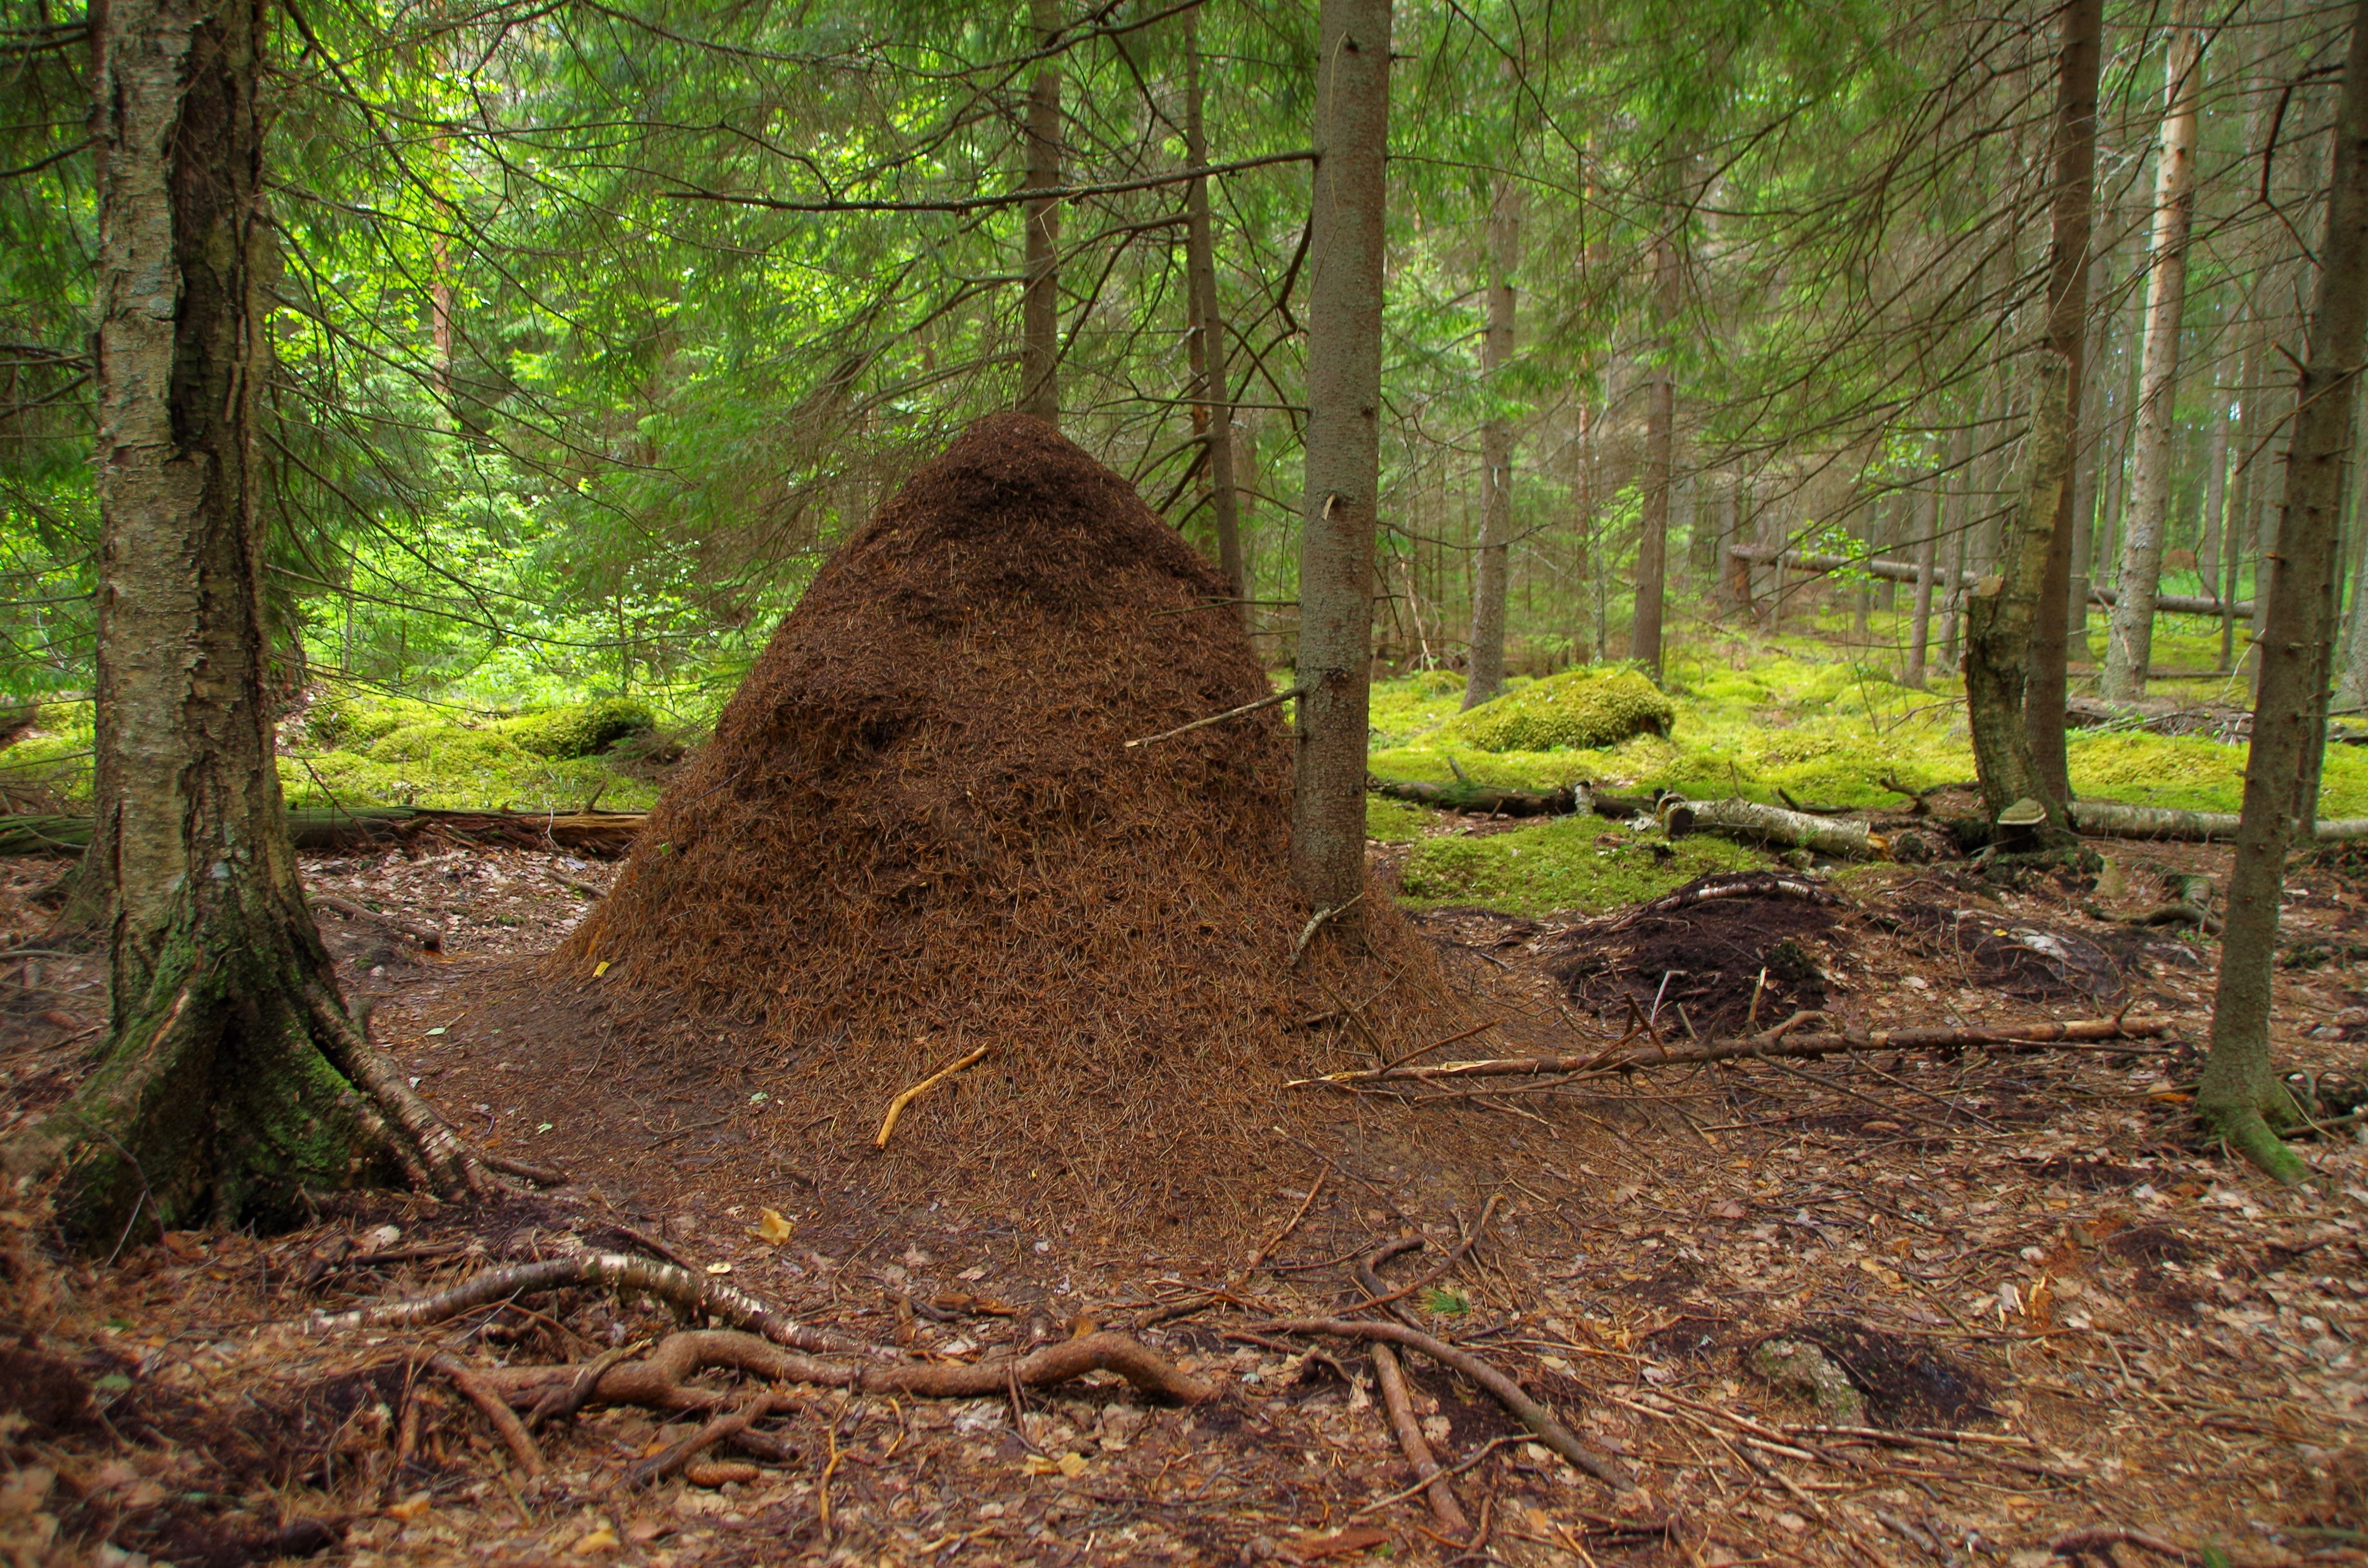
column 1589, row 706
column 1396, row 822
column 580, row 730
column 1560, row 865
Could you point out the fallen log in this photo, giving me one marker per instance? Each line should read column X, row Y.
column 2110, row 819
column 1488, row 800
column 604, row 833
column 1620, row 1058
column 1811, row 563
column 1756, row 823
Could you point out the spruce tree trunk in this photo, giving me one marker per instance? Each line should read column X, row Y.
column 1213, row 405
column 1485, row 677
column 1344, row 453
column 232, row 1080
column 1660, row 444
column 1927, row 528
column 2129, row 645
column 2068, row 336
column 1040, row 298
column 2240, row 1090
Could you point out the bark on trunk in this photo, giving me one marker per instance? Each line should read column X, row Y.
column 1756, row 823
column 1213, row 405
column 2068, row 336
column 2130, row 643
column 1040, row 298
column 2240, row 1084
column 1928, row 540
column 232, row 1079
column 1660, row 439
column 2003, row 610
column 1485, row 677
column 1343, row 454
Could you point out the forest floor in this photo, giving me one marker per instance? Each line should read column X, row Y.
column 2052, row 1313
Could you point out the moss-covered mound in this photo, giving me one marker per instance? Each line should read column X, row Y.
column 579, row 730
column 1584, row 707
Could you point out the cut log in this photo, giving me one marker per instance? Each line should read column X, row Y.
column 1814, row 564
column 1626, row 1057
column 1488, row 800
column 1756, row 823
column 606, row 833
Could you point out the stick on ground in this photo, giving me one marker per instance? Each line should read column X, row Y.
column 896, row 1107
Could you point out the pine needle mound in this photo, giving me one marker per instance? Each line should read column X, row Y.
column 918, row 831
column 1584, row 707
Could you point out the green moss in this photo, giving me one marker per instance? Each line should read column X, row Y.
column 1396, row 822
column 579, row 730
column 1560, row 865
column 1589, row 707
column 357, row 721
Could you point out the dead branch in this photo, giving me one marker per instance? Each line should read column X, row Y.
column 1279, row 696
column 1436, row 1492
column 1775, row 1042
column 677, row 1287
column 1529, row 1412
column 896, row 1107
column 505, row 1421
column 1373, row 1282
column 1483, row 800
column 428, row 937
column 2074, row 1544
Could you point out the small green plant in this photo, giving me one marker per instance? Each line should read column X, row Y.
column 1439, row 1301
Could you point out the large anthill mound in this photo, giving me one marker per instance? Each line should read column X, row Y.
column 920, row 830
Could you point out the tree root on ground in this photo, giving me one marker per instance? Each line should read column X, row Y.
column 1394, row 1399
column 1507, row 1392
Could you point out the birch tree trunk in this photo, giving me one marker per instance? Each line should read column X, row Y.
column 1213, row 405
column 1344, row 453
column 2240, row 1088
column 232, row 1079
column 1485, row 675
column 1040, row 298
column 2129, row 645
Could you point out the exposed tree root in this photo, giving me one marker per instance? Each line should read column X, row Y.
column 505, row 1422
column 428, row 937
column 2100, row 1539
column 659, row 1466
column 2244, row 1129
column 1394, row 1400
column 686, row 1292
column 1507, row 1392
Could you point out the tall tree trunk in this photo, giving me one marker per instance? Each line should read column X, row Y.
column 2213, row 541
column 232, row 1078
column 1485, row 677
column 1928, row 530
column 1213, row 407
column 1040, row 298
column 2088, row 461
column 2069, row 259
column 1344, row 452
column 1959, row 534
column 2240, row 1084
column 2129, row 646
column 1660, row 441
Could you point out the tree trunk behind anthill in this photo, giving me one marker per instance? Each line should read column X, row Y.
column 1344, row 453
column 1213, row 405
column 1040, row 296
column 229, row 1081
column 1486, row 675
column 1660, row 447
column 2239, row 1081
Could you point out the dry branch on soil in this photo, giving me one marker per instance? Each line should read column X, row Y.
column 1778, row 1041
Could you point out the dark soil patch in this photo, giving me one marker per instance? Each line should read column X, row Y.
column 2028, row 959
column 2086, row 1176
column 1906, row 1382
column 2151, row 1243
column 1694, row 1336
column 1707, row 959
column 52, row 1397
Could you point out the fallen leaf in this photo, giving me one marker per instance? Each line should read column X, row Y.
column 600, row 969
column 1356, row 1538
column 1072, row 1465
column 1731, row 1209
column 411, row 1508
column 772, row 1228
column 719, row 1269
column 601, row 1539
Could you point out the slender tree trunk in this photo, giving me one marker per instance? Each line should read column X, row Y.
column 1928, row 530
column 1039, row 299
column 1485, row 677
column 1660, row 440
column 2130, row 644
column 1960, row 535
column 2240, row 1084
column 1344, row 453
column 2213, row 532
column 232, row 1078
column 2089, row 459
column 1213, row 407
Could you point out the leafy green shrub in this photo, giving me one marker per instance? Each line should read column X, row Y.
column 577, row 730
column 1586, row 708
